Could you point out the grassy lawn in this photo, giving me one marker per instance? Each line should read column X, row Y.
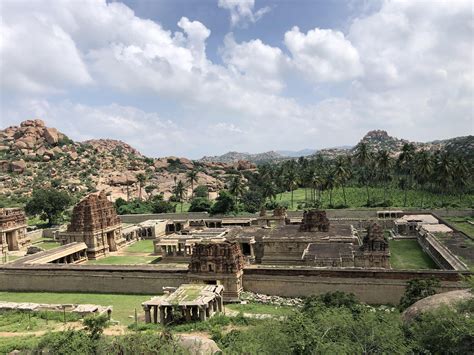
column 462, row 224
column 7, row 345
column 124, row 260
column 260, row 308
column 407, row 254
column 142, row 246
column 357, row 197
column 47, row 245
column 123, row 305
column 17, row 321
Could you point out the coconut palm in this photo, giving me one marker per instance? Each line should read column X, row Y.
column 424, row 169
column 342, row 174
column 444, row 173
column 291, row 180
column 461, row 173
column 179, row 192
column 141, row 178
column 384, row 165
column 363, row 158
column 405, row 162
column 192, row 178
column 330, row 183
column 237, row 187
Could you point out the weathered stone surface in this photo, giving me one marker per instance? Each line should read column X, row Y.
column 314, row 220
column 225, row 257
column 18, row 166
column 198, row 345
column 51, row 135
column 33, row 249
column 433, row 302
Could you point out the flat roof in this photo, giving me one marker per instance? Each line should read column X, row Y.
column 421, row 218
column 188, row 294
column 292, row 231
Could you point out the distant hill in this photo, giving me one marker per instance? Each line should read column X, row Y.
column 233, row 157
column 376, row 140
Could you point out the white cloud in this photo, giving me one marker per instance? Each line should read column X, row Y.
column 323, row 55
column 242, row 12
column 406, row 68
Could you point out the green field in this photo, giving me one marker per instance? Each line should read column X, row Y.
column 261, row 308
column 124, row 260
column 142, row 246
column 462, row 224
column 357, row 197
column 123, row 305
column 47, row 244
column 407, row 254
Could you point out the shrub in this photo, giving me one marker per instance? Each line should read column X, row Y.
column 201, row 191
column 225, row 203
column 200, row 204
column 418, row 289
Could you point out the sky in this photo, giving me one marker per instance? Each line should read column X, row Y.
column 203, row 77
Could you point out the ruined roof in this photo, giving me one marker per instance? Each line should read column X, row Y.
column 293, row 232
column 420, row 218
column 316, row 251
column 188, row 295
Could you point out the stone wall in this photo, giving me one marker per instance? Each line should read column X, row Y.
column 71, row 278
column 370, row 286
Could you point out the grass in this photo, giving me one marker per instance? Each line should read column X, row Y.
column 17, row 321
column 357, row 197
column 260, row 308
column 142, row 246
column 47, row 245
column 123, row 305
column 124, row 260
column 461, row 223
column 407, row 254
column 9, row 344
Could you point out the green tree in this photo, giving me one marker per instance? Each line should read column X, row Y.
column 342, row 174
column 201, row 191
column 149, row 189
column 192, row 177
column 291, row 180
column 225, row 203
column 179, row 192
column 49, row 203
column 200, row 204
column 141, row 178
column 416, row 290
column 406, row 160
column 424, row 170
column 363, row 158
column 237, row 187
column 384, row 165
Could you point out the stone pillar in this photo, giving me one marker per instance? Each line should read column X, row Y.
column 195, row 315
column 207, row 311
column 162, row 315
column 187, row 314
column 155, row 314
column 147, row 314
column 202, row 314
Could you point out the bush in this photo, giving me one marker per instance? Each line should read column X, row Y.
column 200, row 204
column 160, row 206
column 418, row 289
column 252, row 201
column 201, row 191
column 225, row 203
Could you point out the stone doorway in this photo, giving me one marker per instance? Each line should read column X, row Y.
column 12, row 242
column 246, row 249
column 111, row 241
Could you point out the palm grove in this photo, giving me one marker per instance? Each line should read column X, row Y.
column 365, row 178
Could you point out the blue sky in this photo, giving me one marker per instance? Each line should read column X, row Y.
column 203, row 77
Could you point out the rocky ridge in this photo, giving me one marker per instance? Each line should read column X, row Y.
column 33, row 155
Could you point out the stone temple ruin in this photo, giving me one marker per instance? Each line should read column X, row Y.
column 12, row 230
column 314, row 220
column 95, row 222
column 218, row 263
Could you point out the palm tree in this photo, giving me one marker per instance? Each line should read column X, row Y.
column 317, row 182
column 461, row 174
column 330, row 183
column 291, row 179
column 179, row 192
column 424, row 169
column 237, row 187
column 149, row 189
column 192, row 178
column 141, row 178
column 444, row 173
column 342, row 174
column 384, row 164
column 405, row 161
column 363, row 158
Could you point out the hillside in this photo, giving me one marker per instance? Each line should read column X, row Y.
column 232, row 157
column 33, row 155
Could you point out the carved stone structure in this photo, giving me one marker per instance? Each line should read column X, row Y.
column 218, row 263
column 190, row 302
column 374, row 251
column 12, row 229
column 314, row 220
column 95, row 222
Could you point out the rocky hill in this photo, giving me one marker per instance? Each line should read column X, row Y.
column 233, row 157
column 33, row 155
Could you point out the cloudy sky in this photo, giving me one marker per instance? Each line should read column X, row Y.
column 203, row 77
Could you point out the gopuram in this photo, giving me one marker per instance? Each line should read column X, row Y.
column 12, row 229
column 95, row 222
column 218, row 264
